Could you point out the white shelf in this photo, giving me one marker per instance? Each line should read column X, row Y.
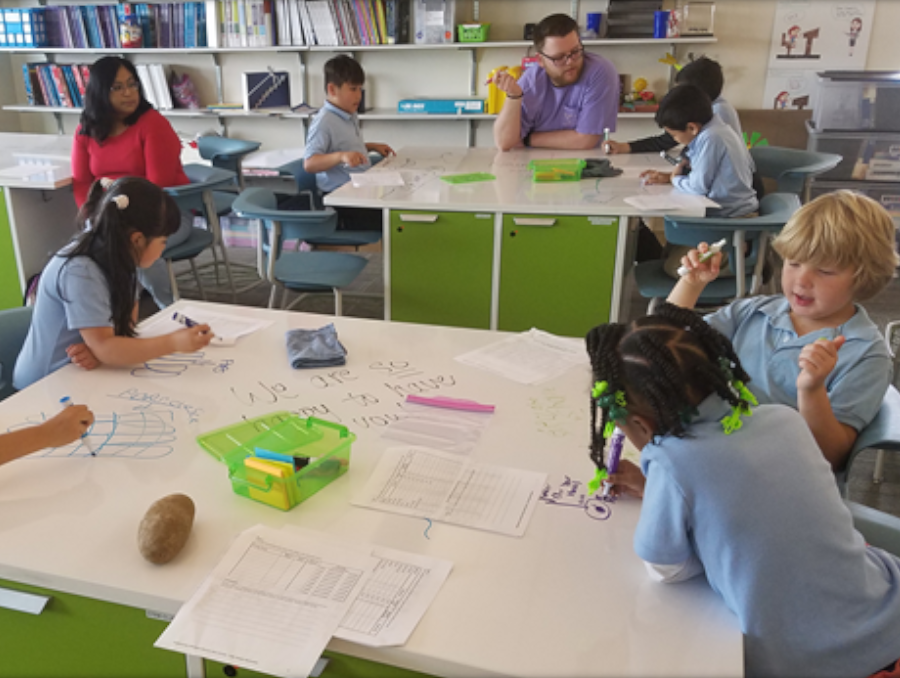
column 349, row 48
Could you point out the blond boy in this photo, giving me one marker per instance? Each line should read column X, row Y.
column 814, row 347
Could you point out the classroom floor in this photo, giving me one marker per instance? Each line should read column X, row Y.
column 884, row 496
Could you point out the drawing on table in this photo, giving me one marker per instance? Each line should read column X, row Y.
column 553, row 415
column 178, row 363
column 136, row 435
column 571, row 494
column 150, row 400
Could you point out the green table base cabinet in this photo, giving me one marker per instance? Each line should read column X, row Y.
column 10, row 295
column 339, row 666
column 77, row 637
column 441, row 268
column 556, row 273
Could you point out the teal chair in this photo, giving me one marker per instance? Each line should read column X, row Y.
column 14, row 324
column 309, row 196
column 297, row 271
column 878, row 528
column 228, row 154
column 774, row 211
column 197, row 198
column 791, row 168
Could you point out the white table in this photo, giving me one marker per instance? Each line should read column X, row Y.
column 39, row 211
column 512, row 201
column 570, row 598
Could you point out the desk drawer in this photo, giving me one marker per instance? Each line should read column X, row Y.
column 441, row 267
column 556, row 272
column 80, row 637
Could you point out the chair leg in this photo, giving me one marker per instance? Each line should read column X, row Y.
column 878, row 473
column 197, row 278
column 172, row 280
column 284, row 298
column 338, row 303
column 272, row 294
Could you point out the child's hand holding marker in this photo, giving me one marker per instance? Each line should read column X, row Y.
column 650, row 177
column 702, row 264
column 71, row 424
column 193, row 337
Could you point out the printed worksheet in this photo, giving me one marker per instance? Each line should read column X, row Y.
column 442, row 486
column 531, row 357
column 377, row 178
column 272, row 603
column 223, row 324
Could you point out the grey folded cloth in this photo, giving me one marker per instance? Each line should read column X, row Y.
column 315, row 348
column 599, row 167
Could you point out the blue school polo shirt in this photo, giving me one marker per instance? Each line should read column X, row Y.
column 335, row 130
column 760, row 510
column 767, row 344
column 72, row 295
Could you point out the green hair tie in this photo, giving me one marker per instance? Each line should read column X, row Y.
column 733, row 421
column 599, row 477
column 599, row 389
column 744, row 393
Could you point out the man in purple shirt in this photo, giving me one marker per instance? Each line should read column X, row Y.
column 566, row 103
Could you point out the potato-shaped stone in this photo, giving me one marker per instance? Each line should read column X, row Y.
column 165, row 528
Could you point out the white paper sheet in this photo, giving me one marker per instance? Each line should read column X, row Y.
column 452, row 430
column 432, row 484
column 271, row 604
column 531, row 357
column 222, row 324
column 669, row 201
column 394, row 597
column 377, row 178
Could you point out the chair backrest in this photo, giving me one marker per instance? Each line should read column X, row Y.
column 261, row 203
column 306, row 182
column 14, row 324
column 882, row 433
column 226, row 153
column 792, row 168
column 197, row 195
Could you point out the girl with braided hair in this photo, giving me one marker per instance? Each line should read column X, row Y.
column 741, row 494
column 86, row 306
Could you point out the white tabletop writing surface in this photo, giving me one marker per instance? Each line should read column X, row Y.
column 569, row 598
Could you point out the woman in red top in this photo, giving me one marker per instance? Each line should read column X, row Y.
column 121, row 134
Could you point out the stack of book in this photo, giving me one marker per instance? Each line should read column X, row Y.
column 59, row 85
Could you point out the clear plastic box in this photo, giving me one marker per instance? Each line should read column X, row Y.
column 867, row 156
column 325, row 443
column 888, row 195
column 557, row 169
column 858, row 100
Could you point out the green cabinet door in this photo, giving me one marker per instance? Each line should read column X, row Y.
column 76, row 637
column 556, row 273
column 10, row 292
column 441, row 268
column 339, row 666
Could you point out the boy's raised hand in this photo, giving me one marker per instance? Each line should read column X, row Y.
column 816, row 362
column 192, row 339
column 701, row 271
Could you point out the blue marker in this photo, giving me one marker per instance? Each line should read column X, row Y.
column 184, row 320
column 66, row 401
column 298, row 462
column 615, row 451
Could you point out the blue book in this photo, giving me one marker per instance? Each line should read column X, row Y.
column 201, row 25
column 72, row 85
column 145, row 14
column 443, row 106
column 29, row 92
column 190, row 24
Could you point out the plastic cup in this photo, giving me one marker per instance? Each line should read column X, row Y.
column 593, row 22
column 660, row 23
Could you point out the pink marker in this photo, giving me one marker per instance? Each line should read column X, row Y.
column 450, row 403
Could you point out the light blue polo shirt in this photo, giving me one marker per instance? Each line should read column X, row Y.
column 72, row 294
column 764, row 338
column 760, row 510
column 335, row 130
column 728, row 115
column 721, row 169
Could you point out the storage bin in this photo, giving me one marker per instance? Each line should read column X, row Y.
column 325, row 443
column 858, row 100
column 888, row 195
column 472, row 32
column 557, row 169
column 867, row 156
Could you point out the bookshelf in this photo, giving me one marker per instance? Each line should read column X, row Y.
column 463, row 66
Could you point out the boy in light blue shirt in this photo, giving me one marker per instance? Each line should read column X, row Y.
column 717, row 166
column 334, row 145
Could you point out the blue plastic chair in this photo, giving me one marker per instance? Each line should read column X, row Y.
column 879, row 528
column 882, row 434
column 308, row 189
column 14, row 324
column 197, row 197
column 774, row 211
column 298, row 271
column 226, row 153
column 792, row 168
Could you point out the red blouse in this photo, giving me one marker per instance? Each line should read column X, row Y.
column 149, row 149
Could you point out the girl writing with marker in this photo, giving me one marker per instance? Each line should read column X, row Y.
column 741, row 494
column 86, row 307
